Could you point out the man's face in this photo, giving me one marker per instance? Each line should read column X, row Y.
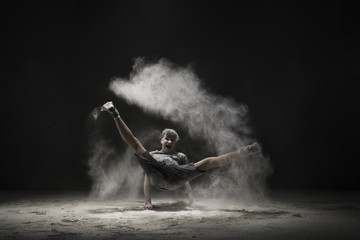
column 168, row 143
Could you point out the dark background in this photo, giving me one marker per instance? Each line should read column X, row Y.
column 294, row 64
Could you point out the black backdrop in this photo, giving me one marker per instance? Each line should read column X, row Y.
column 294, row 64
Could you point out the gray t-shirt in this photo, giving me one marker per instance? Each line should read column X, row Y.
column 167, row 171
column 169, row 159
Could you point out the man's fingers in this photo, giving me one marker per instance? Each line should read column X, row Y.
column 148, row 206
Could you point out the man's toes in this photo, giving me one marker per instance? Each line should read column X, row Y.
column 254, row 147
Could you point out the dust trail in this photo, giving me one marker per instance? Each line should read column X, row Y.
column 95, row 113
column 175, row 93
column 113, row 174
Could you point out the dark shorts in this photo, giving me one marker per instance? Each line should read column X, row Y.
column 167, row 177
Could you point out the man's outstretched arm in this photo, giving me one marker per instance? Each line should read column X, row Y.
column 124, row 131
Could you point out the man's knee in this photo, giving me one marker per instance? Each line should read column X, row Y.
column 211, row 162
column 207, row 163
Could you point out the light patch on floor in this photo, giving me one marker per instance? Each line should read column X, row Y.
column 291, row 215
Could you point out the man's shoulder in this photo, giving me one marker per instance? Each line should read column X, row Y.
column 154, row 152
column 183, row 158
column 180, row 154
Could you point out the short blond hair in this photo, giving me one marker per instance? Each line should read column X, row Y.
column 171, row 133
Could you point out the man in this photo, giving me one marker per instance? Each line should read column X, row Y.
column 167, row 169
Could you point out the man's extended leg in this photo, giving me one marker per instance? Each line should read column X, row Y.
column 225, row 159
column 124, row 131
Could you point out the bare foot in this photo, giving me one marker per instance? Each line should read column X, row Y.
column 251, row 148
column 254, row 147
column 110, row 108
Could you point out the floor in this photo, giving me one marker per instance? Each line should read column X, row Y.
column 283, row 215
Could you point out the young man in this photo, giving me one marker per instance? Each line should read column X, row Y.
column 167, row 169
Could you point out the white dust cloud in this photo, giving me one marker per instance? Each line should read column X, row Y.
column 176, row 94
column 95, row 113
column 113, row 174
